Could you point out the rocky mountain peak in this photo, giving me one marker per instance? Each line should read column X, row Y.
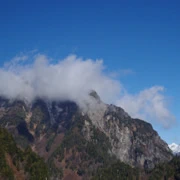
column 94, row 94
column 59, row 131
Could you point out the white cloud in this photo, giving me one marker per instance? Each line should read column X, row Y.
column 149, row 104
column 71, row 79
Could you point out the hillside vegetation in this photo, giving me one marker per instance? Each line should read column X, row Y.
column 18, row 164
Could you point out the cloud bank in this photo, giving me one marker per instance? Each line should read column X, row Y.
column 72, row 79
column 69, row 79
column 148, row 104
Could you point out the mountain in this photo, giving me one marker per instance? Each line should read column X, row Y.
column 78, row 142
column 175, row 148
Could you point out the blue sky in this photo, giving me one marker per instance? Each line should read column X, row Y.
column 140, row 36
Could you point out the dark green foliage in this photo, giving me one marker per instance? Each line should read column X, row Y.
column 49, row 142
column 72, row 138
column 5, row 170
column 167, row 170
column 7, row 145
column 54, row 170
column 21, row 141
column 117, row 171
column 35, row 166
column 93, row 153
column 98, row 147
column 31, row 163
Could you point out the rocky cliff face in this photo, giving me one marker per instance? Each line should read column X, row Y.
column 75, row 142
column 132, row 140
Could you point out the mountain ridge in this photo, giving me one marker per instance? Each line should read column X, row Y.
column 72, row 139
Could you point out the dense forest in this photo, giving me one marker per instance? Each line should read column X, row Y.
column 18, row 164
column 119, row 170
column 25, row 164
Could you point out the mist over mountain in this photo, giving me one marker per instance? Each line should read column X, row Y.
column 31, row 76
column 70, row 79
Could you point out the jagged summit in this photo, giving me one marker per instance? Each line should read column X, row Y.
column 94, row 94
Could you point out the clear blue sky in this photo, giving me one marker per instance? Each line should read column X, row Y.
column 140, row 35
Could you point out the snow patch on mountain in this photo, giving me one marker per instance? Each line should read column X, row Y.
column 175, row 148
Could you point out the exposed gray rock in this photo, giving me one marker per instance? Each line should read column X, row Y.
column 132, row 141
